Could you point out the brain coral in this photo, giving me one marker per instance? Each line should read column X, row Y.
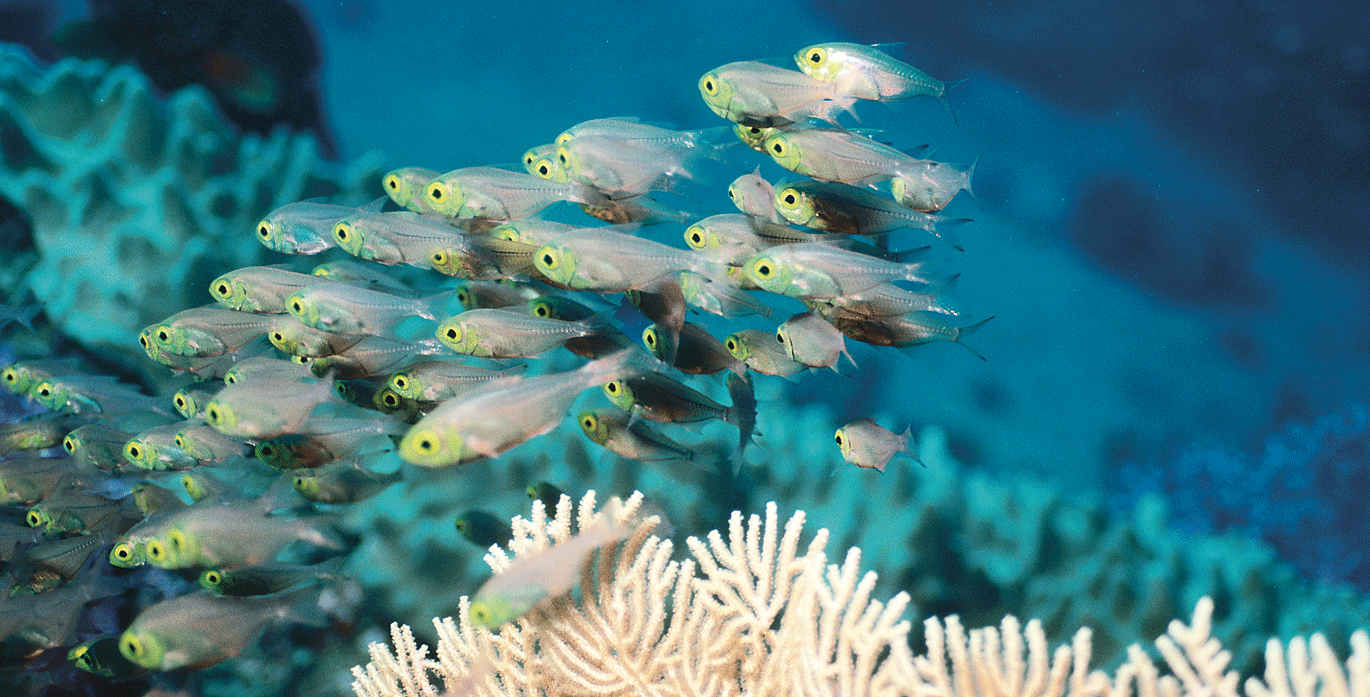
column 138, row 202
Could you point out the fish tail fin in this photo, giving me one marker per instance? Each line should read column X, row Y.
column 962, row 332
column 943, row 229
column 910, row 447
column 947, row 87
column 743, row 414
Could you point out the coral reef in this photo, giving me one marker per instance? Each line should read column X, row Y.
column 763, row 619
column 137, row 203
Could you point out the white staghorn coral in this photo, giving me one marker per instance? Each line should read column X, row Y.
column 760, row 619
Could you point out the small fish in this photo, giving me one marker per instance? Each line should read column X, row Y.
column 837, row 207
column 402, row 237
column 342, row 482
column 372, row 356
column 635, row 440
column 817, row 270
column 405, row 187
column 436, row 381
column 697, row 352
column 850, row 158
column 762, row 352
column 903, row 331
column 757, row 94
column 607, row 262
column 305, row 227
column 532, row 231
column 866, row 72
column 484, row 528
column 483, row 258
column 92, row 394
column 190, row 400
column 542, row 161
column 38, row 433
column 511, row 333
column 719, row 297
column 345, row 309
column 865, row 444
column 488, row 193
column 260, row 289
column 155, row 449
column 236, row 533
column 202, row 629
column 264, row 579
column 295, row 338
column 100, row 656
column 536, row 578
column 811, row 340
column 258, row 409
column 501, row 414
column 22, row 376
column 208, row 331
column 932, row 188
column 753, row 137
column 475, row 295
column 753, row 195
column 546, row 492
column 152, row 499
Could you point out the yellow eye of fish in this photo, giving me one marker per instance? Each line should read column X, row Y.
column 426, row 443
column 480, row 614
column 390, row 400
column 163, row 335
column 155, row 550
column 439, row 258
column 780, row 336
column 763, row 267
column 778, row 147
column 222, row 289
column 817, row 56
column 453, row 334
column 542, row 310
column 68, row 444
column 730, row 344
column 838, row 436
column 788, row 197
column 400, row 382
column 649, row 337
column 34, row 519
column 212, row 577
column 611, row 387
column 180, row 402
column 436, row 191
column 709, row 84
column 694, row 236
column 123, row 552
column 11, row 376
column 130, row 646
column 549, row 260
column 44, row 390
column 392, row 183
column 528, row 158
column 341, row 231
column 589, row 422
column 133, row 451
column 264, row 230
column 544, row 170
column 296, row 307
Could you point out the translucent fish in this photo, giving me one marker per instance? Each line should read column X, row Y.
column 753, row 195
column 606, row 261
column 888, row 300
column 496, row 194
column 837, row 207
column 264, row 579
column 402, row 237
column 202, row 442
column 305, row 227
column 258, row 288
column 238, row 533
column 201, row 629
column 435, row 381
column 756, row 94
column 264, row 369
column 542, row 161
column 373, row 356
column 267, row 409
column 190, row 400
column 866, row 444
column 91, row 394
column 762, row 352
column 697, row 351
column 38, row 433
column 635, row 440
column 295, row 338
column 359, row 274
column 474, row 295
column 811, row 340
column 22, row 376
column 732, row 238
column 342, row 482
column 510, row 333
column 624, row 158
column 719, row 297
column 155, row 449
column 72, row 511
column 405, row 187
column 817, row 270
column 346, row 309
column 536, row 578
column 532, row 231
column 502, row 414
column 933, row 187
column 866, row 72
column 843, row 156
column 208, row 331
column 904, row 331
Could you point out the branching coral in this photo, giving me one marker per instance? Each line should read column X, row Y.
column 761, row 619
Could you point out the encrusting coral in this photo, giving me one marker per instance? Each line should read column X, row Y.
column 761, row 619
column 134, row 199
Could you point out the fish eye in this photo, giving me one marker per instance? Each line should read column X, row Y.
column 34, row 519
column 439, row 259
column 123, row 552
column 481, row 614
column 12, row 375
column 180, row 442
column 541, row 310
column 452, row 334
column 155, row 550
column 390, row 400
column 180, row 402
column 44, row 390
column 142, row 340
column 709, row 85
column 730, row 344
column 588, row 423
column 265, row 450
column 222, row 289
column 341, row 231
column 696, row 239
column 549, row 260
column 763, row 269
column 69, row 444
column 133, row 451
column 780, row 336
column 212, row 413
column 296, row 307
column 816, row 56
column 543, row 170
column 426, row 445
column 401, row 383
column 528, row 158
column 778, row 147
column 130, row 646
column 788, row 197
column 838, row 437
column 436, row 191
column 392, row 183
column 212, row 577
column 264, row 230
column 163, row 335
column 732, row 193
column 276, row 337
column 463, row 296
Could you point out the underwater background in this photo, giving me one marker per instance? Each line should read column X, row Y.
column 1169, row 219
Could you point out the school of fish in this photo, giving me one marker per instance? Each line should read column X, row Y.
column 424, row 334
